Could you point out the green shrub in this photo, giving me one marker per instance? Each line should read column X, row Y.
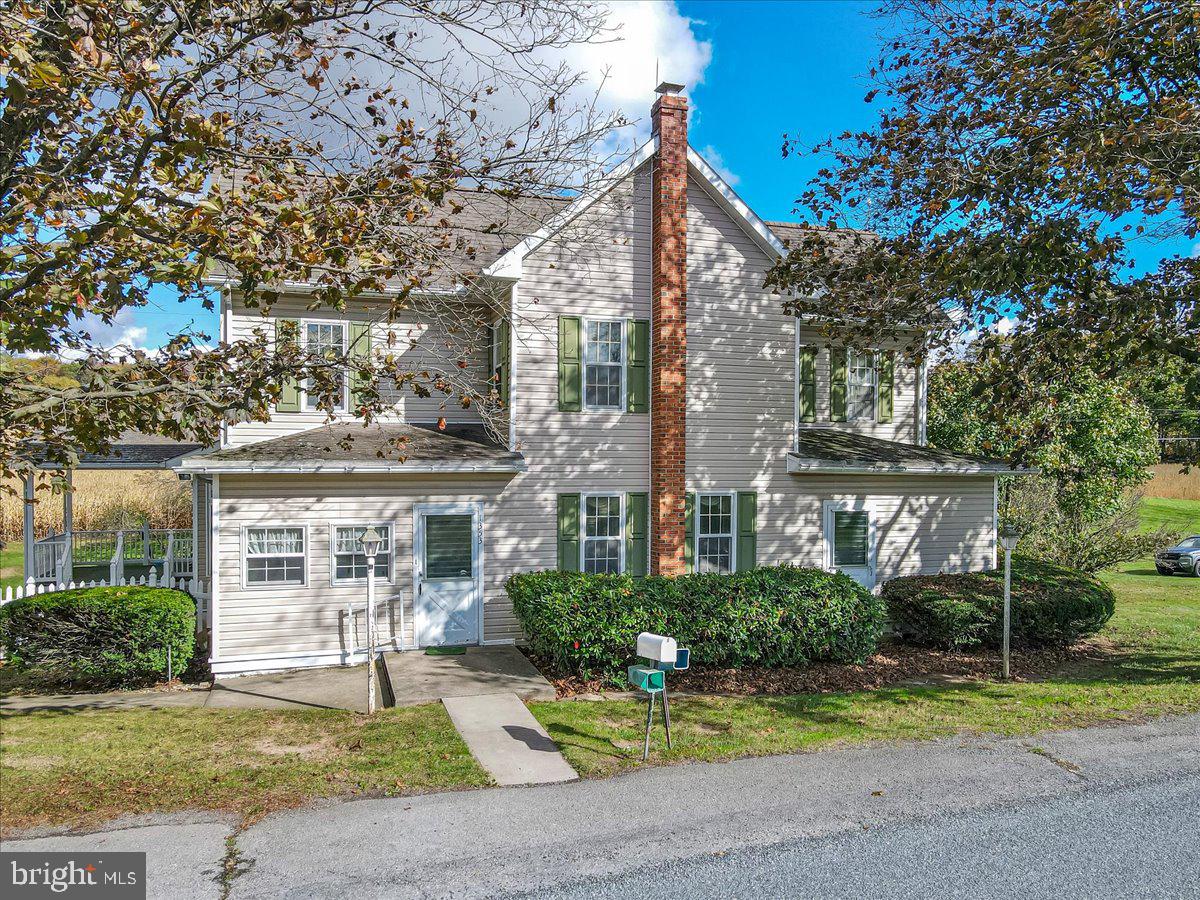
column 101, row 637
column 587, row 625
column 1052, row 606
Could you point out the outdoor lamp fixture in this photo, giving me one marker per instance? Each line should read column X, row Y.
column 1008, row 535
column 371, row 541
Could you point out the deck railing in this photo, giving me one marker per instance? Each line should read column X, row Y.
column 56, row 556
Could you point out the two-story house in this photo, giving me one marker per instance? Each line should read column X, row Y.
column 661, row 415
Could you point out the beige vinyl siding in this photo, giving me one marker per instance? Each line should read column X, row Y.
column 203, row 560
column 310, row 618
column 903, row 426
column 741, row 410
column 420, row 347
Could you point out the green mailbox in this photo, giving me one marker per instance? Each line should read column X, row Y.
column 645, row 678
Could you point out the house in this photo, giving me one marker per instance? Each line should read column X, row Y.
column 661, row 414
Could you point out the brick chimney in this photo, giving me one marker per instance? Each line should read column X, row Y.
column 668, row 379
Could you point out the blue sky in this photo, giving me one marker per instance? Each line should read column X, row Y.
column 755, row 71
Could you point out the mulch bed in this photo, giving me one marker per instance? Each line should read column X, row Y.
column 893, row 664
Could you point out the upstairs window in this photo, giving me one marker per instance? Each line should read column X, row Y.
column 326, row 339
column 860, row 387
column 604, row 364
column 714, row 533
column 602, row 535
column 349, row 561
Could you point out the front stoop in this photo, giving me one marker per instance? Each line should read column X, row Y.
column 507, row 740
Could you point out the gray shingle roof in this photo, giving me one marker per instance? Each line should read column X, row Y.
column 827, row 450
column 390, row 447
column 137, row 450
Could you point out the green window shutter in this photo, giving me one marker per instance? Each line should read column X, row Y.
column 637, row 545
column 505, row 360
column 637, row 367
column 887, row 385
column 689, row 531
column 568, row 532
column 807, row 384
column 288, row 331
column 747, row 530
column 360, row 351
column 837, row 384
column 501, row 359
column 570, row 364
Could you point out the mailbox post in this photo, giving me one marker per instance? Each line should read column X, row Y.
column 664, row 656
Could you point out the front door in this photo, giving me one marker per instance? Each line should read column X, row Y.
column 447, row 577
column 850, row 540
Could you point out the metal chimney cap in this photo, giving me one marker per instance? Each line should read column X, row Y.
column 668, row 87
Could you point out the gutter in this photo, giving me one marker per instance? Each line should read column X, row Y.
column 797, row 467
column 224, row 467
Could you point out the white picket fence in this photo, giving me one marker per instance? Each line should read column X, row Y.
column 197, row 588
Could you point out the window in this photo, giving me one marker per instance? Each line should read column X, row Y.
column 602, row 540
column 449, row 547
column 851, row 537
column 604, row 364
column 326, row 339
column 860, row 393
column 350, row 563
column 275, row 555
column 714, row 533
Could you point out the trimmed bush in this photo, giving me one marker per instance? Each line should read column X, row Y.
column 587, row 625
column 1052, row 606
column 100, row 637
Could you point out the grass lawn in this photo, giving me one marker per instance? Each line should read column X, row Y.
column 12, row 565
column 1154, row 669
column 81, row 768
column 1178, row 515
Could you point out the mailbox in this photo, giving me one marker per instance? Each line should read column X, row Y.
column 656, row 647
column 647, row 679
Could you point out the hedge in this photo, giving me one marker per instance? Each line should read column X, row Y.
column 100, row 637
column 587, row 625
column 1052, row 606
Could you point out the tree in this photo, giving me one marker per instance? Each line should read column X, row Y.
column 1089, row 440
column 147, row 143
column 1024, row 147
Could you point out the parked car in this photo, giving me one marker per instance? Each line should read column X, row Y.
column 1183, row 557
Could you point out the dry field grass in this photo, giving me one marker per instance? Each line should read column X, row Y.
column 104, row 499
column 1172, row 484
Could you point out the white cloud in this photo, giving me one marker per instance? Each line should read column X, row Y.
column 714, row 158
column 654, row 43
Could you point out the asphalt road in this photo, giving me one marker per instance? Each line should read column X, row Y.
column 1093, row 812
column 1141, row 841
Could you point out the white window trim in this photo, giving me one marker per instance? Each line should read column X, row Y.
column 273, row 585
column 334, row 581
column 859, row 504
column 583, row 350
column 873, row 416
column 733, row 524
column 345, row 405
column 583, row 535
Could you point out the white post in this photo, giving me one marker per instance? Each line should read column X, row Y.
column 147, row 555
column 371, row 634
column 1007, row 606
column 116, row 567
column 28, row 535
column 69, row 526
column 169, row 563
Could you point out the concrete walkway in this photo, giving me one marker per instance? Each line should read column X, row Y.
column 507, row 740
column 415, row 678
column 419, row 678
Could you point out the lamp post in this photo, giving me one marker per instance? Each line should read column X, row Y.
column 370, row 540
column 1008, row 535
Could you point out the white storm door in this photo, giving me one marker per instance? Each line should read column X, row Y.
column 850, row 540
column 447, row 573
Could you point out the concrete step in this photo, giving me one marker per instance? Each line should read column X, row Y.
column 507, row 740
